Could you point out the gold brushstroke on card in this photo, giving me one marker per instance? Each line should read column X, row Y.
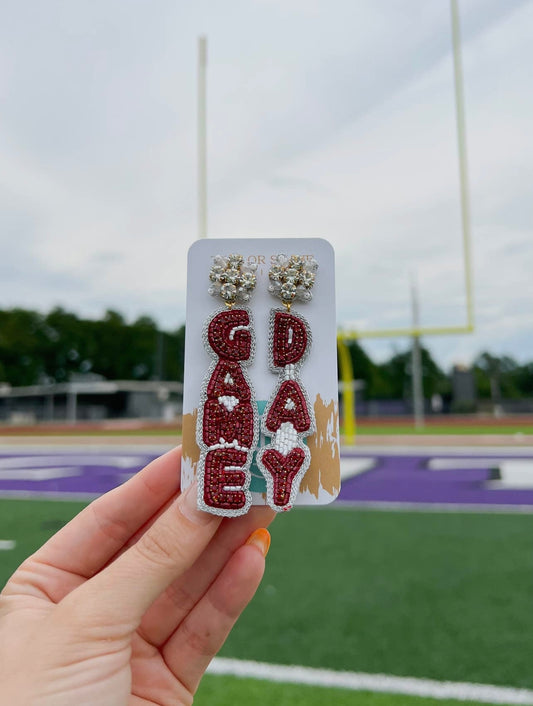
column 191, row 450
column 324, row 470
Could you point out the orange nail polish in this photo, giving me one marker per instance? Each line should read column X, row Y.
column 261, row 539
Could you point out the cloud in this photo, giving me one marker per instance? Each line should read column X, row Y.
column 335, row 121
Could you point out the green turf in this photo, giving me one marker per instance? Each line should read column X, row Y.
column 30, row 523
column 230, row 691
column 444, row 596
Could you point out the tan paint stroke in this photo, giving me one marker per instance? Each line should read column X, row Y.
column 191, row 450
column 325, row 469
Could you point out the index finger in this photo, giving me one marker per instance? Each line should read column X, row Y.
column 121, row 593
column 94, row 536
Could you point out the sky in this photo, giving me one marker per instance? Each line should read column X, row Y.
column 333, row 119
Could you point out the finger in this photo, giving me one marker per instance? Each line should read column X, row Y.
column 139, row 533
column 94, row 536
column 46, row 581
column 122, row 592
column 167, row 612
column 200, row 636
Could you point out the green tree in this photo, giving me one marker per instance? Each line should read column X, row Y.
column 501, row 377
column 67, row 347
column 21, row 345
column 397, row 372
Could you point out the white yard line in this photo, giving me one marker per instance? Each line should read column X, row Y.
column 487, row 450
column 47, row 495
column 351, row 467
column 6, row 545
column 394, row 506
column 356, row 681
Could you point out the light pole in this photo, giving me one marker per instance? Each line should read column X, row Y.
column 202, row 137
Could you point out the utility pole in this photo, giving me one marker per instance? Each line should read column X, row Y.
column 72, row 403
column 202, row 137
column 416, row 362
column 159, row 356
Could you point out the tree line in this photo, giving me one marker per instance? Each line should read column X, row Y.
column 59, row 346
column 494, row 377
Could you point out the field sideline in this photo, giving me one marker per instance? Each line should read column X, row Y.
column 517, row 426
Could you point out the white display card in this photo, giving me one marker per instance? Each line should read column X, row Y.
column 321, row 483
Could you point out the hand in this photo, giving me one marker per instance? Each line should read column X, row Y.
column 129, row 602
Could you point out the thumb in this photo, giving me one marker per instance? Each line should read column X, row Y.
column 123, row 591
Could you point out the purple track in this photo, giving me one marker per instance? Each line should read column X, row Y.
column 398, row 478
column 407, row 479
column 68, row 473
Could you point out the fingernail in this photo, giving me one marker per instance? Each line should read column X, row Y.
column 260, row 539
column 188, row 503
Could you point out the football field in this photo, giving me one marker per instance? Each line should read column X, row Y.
column 415, row 588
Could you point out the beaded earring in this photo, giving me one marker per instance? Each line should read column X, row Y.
column 288, row 417
column 228, row 421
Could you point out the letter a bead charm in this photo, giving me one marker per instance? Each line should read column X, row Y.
column 288, row 417
column 227, row 426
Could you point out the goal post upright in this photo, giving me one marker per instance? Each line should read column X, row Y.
column 417, row 331
column 463, row 159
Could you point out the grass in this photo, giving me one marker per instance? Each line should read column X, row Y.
column 30, row 523
column 443, row 596
column 229, row 691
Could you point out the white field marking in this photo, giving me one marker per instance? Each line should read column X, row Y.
column 390, row 506
column 77, row 459
column 49, row 473
column 68, row 496
column 514, row 473
column 6, row 545
column 452, row 464
column 487, row 451
column 351, row 467
column 384, row 683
